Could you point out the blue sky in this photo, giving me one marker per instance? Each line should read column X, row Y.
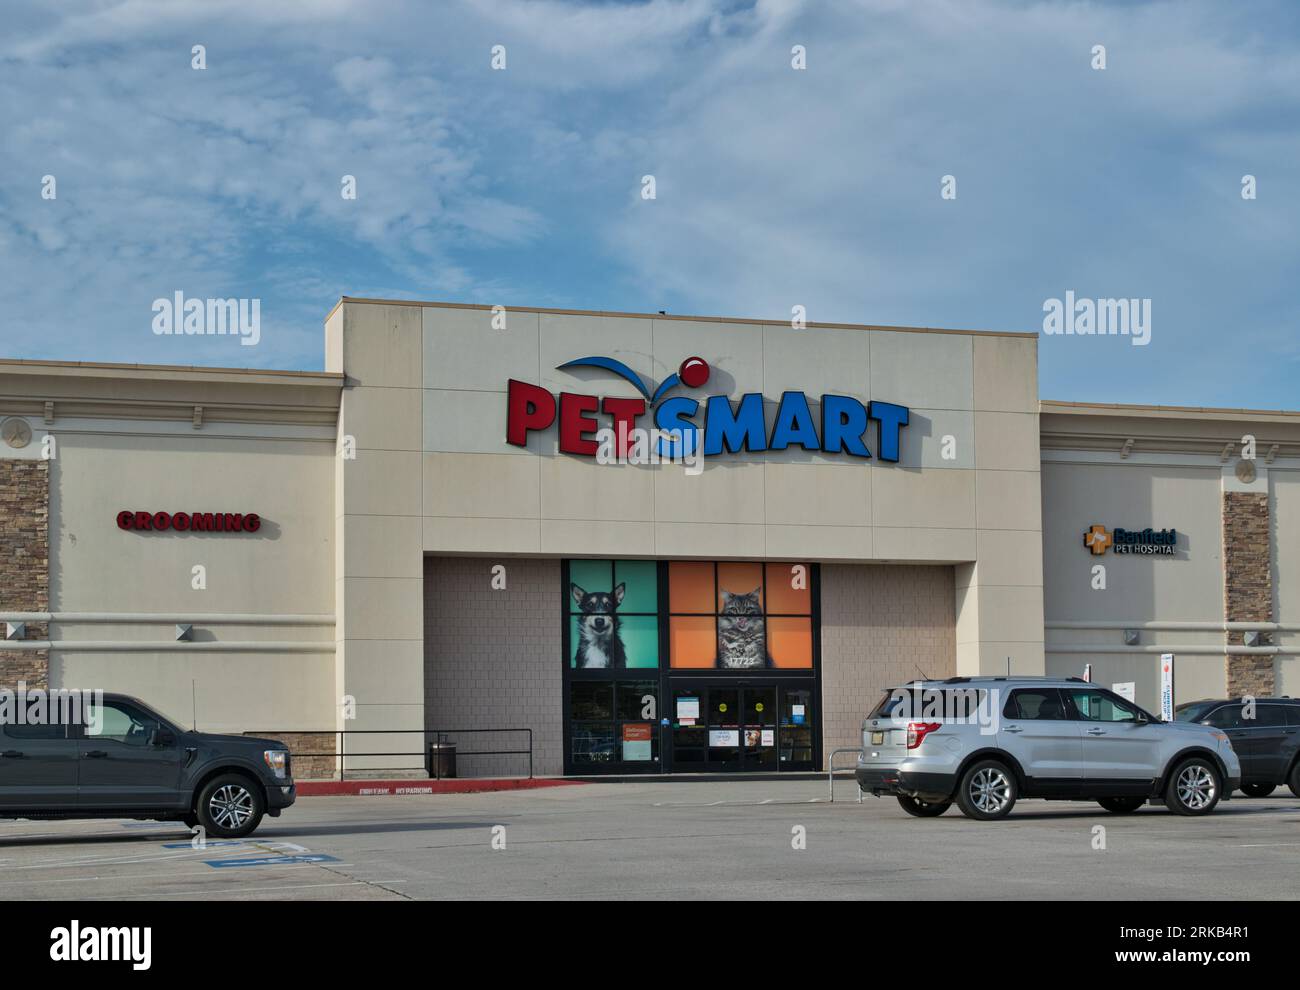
column 775, row 187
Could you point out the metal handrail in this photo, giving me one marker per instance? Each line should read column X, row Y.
column 439, row 736
column 830, row 773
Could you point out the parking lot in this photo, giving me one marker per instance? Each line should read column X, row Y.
column 673, row 840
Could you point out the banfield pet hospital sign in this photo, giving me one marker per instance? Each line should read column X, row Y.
column 840, row 428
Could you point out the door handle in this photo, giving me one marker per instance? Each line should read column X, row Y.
column 1013, row 728
column 95, row 754
column 12, row 753
column 1096, row 732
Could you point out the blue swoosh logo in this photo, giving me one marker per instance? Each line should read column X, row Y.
column 618, row 367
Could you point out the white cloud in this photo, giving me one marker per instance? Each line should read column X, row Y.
column 775, row 187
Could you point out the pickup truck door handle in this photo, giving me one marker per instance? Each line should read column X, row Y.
column 95, row 754
column 1096, row 732
column 1012, row 728
column 12, row 753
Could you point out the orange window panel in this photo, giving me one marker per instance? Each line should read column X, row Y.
column 783, row 598
column 789, row 641
column 690, row 586
column 693, row 641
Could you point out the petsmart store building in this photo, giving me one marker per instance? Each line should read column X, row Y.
column 624, row 543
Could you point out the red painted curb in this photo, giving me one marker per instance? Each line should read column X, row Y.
column 375, row 788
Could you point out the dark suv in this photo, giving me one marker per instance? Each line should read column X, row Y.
column 125, row 760
column 1267, row 743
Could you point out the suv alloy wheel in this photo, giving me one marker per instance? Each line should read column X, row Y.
column 987, row 791
column 1194, row 787
column 230, row 806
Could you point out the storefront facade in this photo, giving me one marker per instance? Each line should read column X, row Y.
column 661, row 544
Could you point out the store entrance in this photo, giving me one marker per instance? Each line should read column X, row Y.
column 739, row 726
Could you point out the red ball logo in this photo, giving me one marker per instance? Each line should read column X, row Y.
column 694, row 372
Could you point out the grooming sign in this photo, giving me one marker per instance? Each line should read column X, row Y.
column 710, row 425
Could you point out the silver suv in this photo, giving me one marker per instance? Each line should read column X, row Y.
column 984, row 742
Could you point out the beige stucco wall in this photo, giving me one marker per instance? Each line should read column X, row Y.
column 283, row 569
column 178, row 439
column 1134, row 494
column 1285, row 512
column 1164, row 467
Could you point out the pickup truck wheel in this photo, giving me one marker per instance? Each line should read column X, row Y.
column 230, row 806
column 987, row 791
column 1194, row 787
column 1258, row 790
column 1121, row 805
column 922, row 809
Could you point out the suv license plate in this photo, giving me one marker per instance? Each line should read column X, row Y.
column 877, row 739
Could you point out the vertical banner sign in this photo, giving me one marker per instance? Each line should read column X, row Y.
column 1167, row 686
column 1087, row 672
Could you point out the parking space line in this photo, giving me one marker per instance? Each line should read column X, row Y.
column 219, row 864
column 208, row 893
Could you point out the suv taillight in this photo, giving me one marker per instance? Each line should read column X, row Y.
column 917, row 731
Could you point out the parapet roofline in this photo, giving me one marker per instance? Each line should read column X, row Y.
column 105, row 369
column 669, row 316
column 1054, row 407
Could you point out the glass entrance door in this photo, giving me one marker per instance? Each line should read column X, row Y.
column 797, row 725
column 738, row 727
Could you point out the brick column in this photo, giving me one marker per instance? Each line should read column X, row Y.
column 1247, row 587
column 25, row 564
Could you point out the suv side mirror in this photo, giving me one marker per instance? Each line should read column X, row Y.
column 1142, row 718
column 163, row 737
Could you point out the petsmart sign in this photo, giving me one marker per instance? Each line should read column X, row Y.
column 687, row 427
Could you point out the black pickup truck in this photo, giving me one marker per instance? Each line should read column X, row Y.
column 118, row 758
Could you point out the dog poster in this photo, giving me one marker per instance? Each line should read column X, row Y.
column 613, row 614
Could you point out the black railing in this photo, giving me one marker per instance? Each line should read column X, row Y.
column 430, row 763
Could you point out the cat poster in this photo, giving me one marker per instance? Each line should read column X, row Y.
column 734, row 615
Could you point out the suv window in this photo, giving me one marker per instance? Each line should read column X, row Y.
column 1100, row 706
column 1269, row 715
column 123, row 723
column 909, row 702
column 1292, row 714
column 1035, row 703
column 1194, row 711
column 1228, row 717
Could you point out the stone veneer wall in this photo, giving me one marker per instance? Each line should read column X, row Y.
column 25, row 564
column 492, row 660
column 882, row 626
column 1247, row 587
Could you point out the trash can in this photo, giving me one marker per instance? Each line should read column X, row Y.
column 442, row 759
